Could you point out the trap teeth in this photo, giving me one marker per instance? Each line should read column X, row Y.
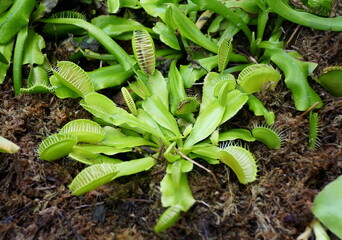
column 255, row 77
column 56, row 146
column 85, row 130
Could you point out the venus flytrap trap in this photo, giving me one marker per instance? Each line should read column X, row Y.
column 331, row 80
column 314, row 141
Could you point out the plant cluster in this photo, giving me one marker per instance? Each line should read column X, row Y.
column 164, row 123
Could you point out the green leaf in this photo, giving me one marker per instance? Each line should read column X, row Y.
column 296, row 73
column 104, row 78
column 139, row 87
column 156, row 83
column 55, row 30
column 176, row 86
column 3, row 59
column 33, row 49
column 150, row 121
column 166, row 35
column 191, row 73
column 5, row 4
column 14, row 19
column 206, row 150
column 188, row 29
column 207, row 121
column 187, row 106
column 116, row 138
column 107, row 150
column 327, row 206
column 259, row 109
column 218, row 7
column 176, row 193
column 87, row 156
column 104, row 108
column 156, row 8
column 154, row 107
column 304, row 18
column 18, row 59
column 235, row 101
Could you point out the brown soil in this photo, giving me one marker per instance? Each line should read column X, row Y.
column 35, row 202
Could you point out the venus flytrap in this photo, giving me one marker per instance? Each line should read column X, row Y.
column 37, row 82
column 153, row 124
column 156, row 111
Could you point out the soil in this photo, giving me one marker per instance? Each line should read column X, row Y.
column 35, row 202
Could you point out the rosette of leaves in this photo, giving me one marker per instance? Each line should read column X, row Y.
column 153, row 121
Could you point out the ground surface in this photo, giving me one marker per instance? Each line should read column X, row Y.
column 35, row 202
